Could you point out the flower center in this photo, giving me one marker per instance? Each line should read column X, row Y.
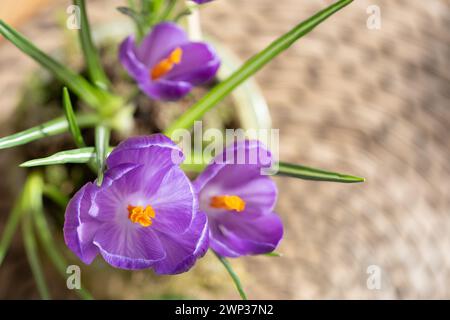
column 140, row 215
column 167, row 64
column 231, row 203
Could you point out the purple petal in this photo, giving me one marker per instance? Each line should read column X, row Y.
column 129, row 246
column 250, row 153
column 128, row 58
column 165, row 89
column 155, row 150
column 158, row 44
column 182, row 251
column 174, row 202
column 169, row 193
column 201, row 1
column 79, row 227
column 224, row 176
column 235, row 235
column 199, row 64
column 258, row 192
column 112, row 194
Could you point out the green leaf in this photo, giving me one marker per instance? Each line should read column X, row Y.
column 34, row 195
column 29, row 241
column 30, row 202
column 10, row 228
column 307, row 173
column 53, row 252
column 101, row 149
column 293, row 170
column 26, row 196
column 193, row 167
column 253, row 65
column 72, row 120
column 129, row 12
column 82, row 155
column 55, row 194
column 273, row 254
column 47, row 129
column 170, row 6
column 91, row 56
column 232, row 274
column 90, row 94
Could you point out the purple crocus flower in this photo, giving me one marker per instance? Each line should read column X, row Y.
column 201, row 1
column 239, row 201
column 145, row 213
column 166, row 65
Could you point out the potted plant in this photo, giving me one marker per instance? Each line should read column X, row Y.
column 153, row 205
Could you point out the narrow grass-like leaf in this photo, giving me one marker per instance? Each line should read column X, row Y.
column 10, row 228
column 52, row 250
column 254, row 64
column 233, row 275
column 193, row 167
column 83, row 155
column 307, row 173
column 55, row 194
column 137, row 19
column 30, row 203
column 170, row 5
column 91, row 56
column 50, row 128
column 72, row 120
column 273, row 254
column 101, row 150
column 295, row 171
column 90, row 94
column 29, row 241
column 43, row 229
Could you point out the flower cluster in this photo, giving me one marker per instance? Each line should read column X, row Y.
column 144, row 212
column 147, row 214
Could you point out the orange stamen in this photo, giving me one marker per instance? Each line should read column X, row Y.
column 231, row 203
column 167, row 64
column 138, row 214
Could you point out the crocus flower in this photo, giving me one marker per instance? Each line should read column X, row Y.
column 201, row 1
column 239, row 201
column 145, row 213
column 166, row 65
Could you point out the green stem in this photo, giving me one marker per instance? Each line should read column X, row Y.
column 253, row 65
column 91, row 56
column 232, row 274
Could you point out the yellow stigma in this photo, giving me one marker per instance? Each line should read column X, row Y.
column 167, row 64
column 231, row 203
column 140, row 215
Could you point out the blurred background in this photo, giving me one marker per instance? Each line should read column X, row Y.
column 347, row 98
